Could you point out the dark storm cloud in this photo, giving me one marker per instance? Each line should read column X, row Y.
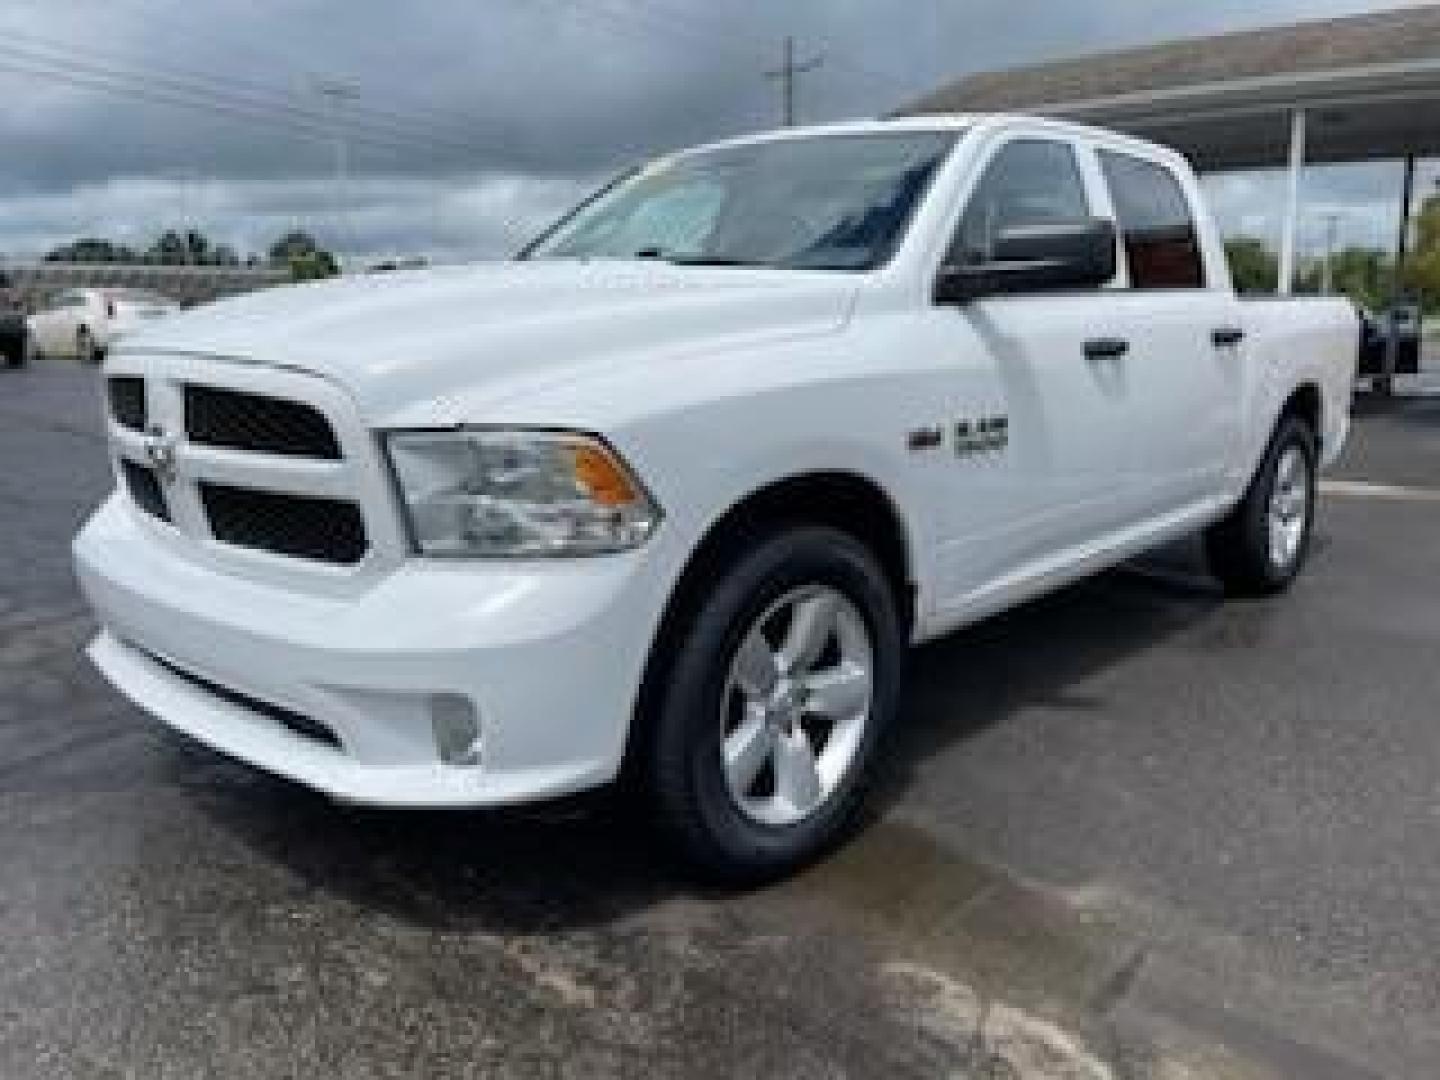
column 473, row 120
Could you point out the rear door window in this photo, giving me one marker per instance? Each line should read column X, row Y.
column 1162, row 245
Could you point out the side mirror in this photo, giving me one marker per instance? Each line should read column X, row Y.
column 1034, row 259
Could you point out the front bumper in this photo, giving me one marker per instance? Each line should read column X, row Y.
column 549, row 655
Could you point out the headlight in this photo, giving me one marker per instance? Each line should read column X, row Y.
column 518, row 493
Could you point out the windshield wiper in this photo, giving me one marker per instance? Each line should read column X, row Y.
column 696, row 260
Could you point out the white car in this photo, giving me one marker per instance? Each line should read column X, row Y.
column 669, row 495
column 84, row 323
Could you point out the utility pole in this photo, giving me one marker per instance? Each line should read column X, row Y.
column 335, row 92
column 787, row 73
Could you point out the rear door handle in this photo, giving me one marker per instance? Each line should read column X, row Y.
column 1227, row 336
column 1106, row 348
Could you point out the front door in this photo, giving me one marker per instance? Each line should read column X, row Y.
column 1054, row 470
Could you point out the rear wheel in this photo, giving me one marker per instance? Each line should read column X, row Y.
column 783, row 686
column 1262, row 545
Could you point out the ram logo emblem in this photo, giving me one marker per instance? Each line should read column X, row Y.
column 160, row 452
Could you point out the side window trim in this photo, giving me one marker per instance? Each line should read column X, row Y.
column 1097, row 189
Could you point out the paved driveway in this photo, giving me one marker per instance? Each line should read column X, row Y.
column 1131, row 818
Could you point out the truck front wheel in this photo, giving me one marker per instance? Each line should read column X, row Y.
column 1261, row 546
column 778, row 698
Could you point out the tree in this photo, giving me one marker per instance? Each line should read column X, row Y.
column 1422, row 265
column 296, row 250
column 306, row 259
column 169, row 249
column 295, row 244
column 1365, row 275
column 318, row 264
column 93, row 250
column 197, row 247
column 1253, row 266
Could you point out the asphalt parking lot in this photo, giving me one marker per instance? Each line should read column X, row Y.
column 1185, row 833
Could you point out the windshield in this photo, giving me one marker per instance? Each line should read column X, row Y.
column 828, row 202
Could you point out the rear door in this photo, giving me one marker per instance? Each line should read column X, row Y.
column 1183, row 366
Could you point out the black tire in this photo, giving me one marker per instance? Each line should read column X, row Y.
column 1239, row 548
column 683, row 767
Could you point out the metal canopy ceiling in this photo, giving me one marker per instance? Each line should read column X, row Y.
column 1370, row 86
column 1352, row 116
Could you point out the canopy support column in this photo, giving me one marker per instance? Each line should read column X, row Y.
column 1290, row 230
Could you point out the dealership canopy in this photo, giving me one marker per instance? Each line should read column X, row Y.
column 1353, row 89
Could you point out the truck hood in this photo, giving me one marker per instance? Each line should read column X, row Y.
column 404, row 345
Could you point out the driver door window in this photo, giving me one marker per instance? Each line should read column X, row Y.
column 1029, row 182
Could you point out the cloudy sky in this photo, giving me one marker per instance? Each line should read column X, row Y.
column 471, row 122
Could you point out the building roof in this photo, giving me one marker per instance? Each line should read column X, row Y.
column 1369, row 86
column 1360, row 41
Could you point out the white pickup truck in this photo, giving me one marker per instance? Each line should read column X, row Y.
column 668, row 496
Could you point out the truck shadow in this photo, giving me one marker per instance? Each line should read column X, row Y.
column 1037, row 654
column 589, row 862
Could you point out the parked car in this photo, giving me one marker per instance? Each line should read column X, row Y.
column 1375, row 333
column 84, row 323
column 14, row 331
column 669, row 496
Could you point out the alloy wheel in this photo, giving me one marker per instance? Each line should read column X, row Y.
column 1288, row 513
column 796, row 705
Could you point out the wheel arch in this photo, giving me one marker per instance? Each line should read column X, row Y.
column 845, row 500
column 1308, row 404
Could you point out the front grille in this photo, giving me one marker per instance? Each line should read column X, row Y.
column 255, row 422
column 325, row 530
column 292, row 721
column 251, row 507
column 145, row 490
column 127, row 401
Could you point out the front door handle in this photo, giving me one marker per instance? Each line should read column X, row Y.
column 1227, row 336
column 1106, row 348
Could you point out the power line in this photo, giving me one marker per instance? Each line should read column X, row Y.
column 410, row 118
column 706, row 30
column 706, row 33
column 137, row 91
column 38, row 57
column 167, row 23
